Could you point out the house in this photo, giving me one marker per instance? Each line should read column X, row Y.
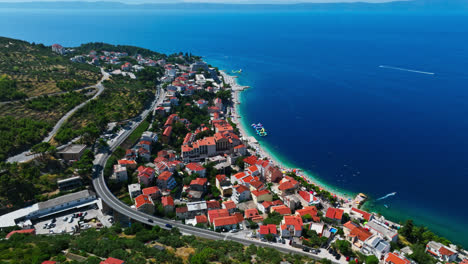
column 201, row 220
column 72, row 152
column 213, row 214
column 112, row 261
column 281, row 209
column 152, row 192
column 361, row 214
column 308, row 198
column 120, row 173
column 218, row 103
column 129, row 164
column 230, row 206
column 291, row 225
column 273, row 174
column 241, row 150
column 149, row 136
column 144, row 154
column 288, row 186
column 267, row 229
column 134, row 190
column 334, row 214
column 196, row 208
column 441, row 252
column 396, row 258
column 166, row 181
column 24, row 231
column 356, row 234
column 57, row 48
column 145, row 175
column 250, row 161
column 253, row 170
column 69, row 183
column 143, row 203
column 131, row 154
column 126, row 66
column 167, row 203
column 376, row 246
column 317, row 227
column 166, row 136
column 213, row 205
column 380, row 228
column 201, row 103
column 261, row 196
column 197, row 188
column 292, row 201
column 266, row 206
column 181, row 212
column 224, row 185
column 253, row 215
column 240, row 193
column 193, row 168
column 226, row 223
column 310, row 211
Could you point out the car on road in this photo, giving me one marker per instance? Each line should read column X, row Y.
column 150, row 220
column 305, row 249
column 65, row 218
column 70, row 220
column 234, row 231
column 338, row 256
column 168, row 225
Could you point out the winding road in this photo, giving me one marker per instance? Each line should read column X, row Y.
column 113, row 202
column 27, row 156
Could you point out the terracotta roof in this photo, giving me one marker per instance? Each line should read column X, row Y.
column 213, row 214
column 164, row 176
column 224, row 221
column 253, row 168
column 239, row 217
column 195, row 167
column 285, row 186
column 258, row 193
column 167, row 201
column 213, row 204
column 221, row 177
column 112, row 261
column 201, row 219
column 150, row 190
column 251, row 160
column 125, row 162
column 249, row 213
column 334, row 213
column 308, row 210
column 229, row 205
column 361, row 233
column 282, row 210
column 141, row 200
column 167, row 132
column 24, row 231
column 364, row 214
column 240, row 175
column 445, row 251
column 256, row 184
column 48, row 262
column 396, row 259
column 293, row 220
column 199, row 181
column 350, row 225
column 241, row 188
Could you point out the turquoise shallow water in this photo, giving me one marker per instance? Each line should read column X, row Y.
column 318, row 89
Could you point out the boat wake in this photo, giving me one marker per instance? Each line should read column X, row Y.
column 386, row 196
column 403, row 69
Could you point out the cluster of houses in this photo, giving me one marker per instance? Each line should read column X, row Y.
column 249, row 195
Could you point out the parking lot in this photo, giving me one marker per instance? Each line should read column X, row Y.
column 73, row 221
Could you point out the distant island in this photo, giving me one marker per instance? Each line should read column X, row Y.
column 149, row 149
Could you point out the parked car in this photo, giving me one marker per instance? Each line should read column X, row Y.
column 234, row 230
column 65, row 218
column 70, row 220
column 150, row 220
column 168, row 225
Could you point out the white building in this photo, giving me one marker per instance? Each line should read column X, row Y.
column 376, row 246
column 134, row 190
column 120, row 173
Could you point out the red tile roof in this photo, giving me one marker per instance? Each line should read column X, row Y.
column 249, row 213
column 258, row 193
column 361, row 233
column 195, row 167
column 224, row 221
column 24, row 231
column 213, row 214
column 364, row 214
column 221, row 177
column 251, row 160
column 199, row 181
column 150, row 190
column 282, row 210
column 396, row 259
column 167, row 131
column 201, row 219
column 141, row 200
column 181, row 210
column 241, row 188
column 229, row 205
column 308, row 210
column 164, row 176
column 213, row 204
column 112, row 261
column 127, row 162
column 167, row 201
column 334, row 213
column 445, row 251
column 49, row 262
column 293, row 220
column 285, row 186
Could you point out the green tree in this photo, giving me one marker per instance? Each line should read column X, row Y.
column 372, row 260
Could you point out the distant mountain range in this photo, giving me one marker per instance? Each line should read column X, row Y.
column 396, row 5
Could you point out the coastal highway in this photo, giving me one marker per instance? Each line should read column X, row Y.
column 113, row 202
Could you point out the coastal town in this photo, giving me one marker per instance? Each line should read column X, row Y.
column 194, row 163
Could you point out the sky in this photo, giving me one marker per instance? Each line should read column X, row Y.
column 209, row 1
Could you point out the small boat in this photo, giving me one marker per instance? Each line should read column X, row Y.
column 386, row 206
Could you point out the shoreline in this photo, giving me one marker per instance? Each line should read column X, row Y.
column 264, row 152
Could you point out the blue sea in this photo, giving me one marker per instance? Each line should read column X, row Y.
column 317, row 87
